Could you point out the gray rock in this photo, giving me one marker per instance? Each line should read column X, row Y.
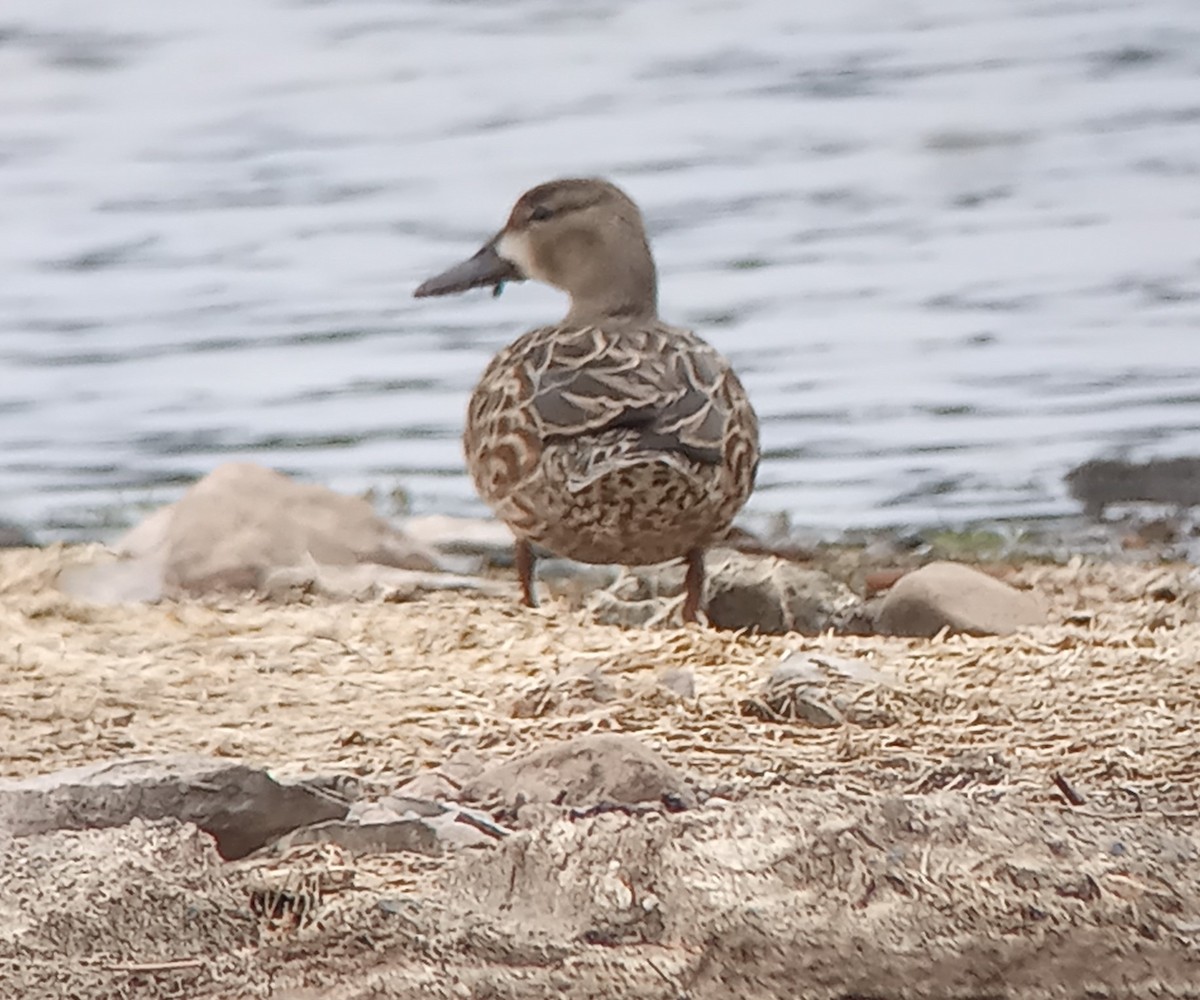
column 679, row 681
column 574, row 688
column 431, row 785
column 766, row 594
column 584, row 771
column 761, row 593
column 412, row 836
column 959, row 598
column 392, row 807
column 241, row 806
column 13, row 536
column 821, row 691
column 610, row 609
column 467, row 828
column 817, row 668
column 1101, row 482
column 399, row 823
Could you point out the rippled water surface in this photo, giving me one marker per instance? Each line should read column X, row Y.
column 953, row 247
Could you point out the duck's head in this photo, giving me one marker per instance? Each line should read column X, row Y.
column 583, row 236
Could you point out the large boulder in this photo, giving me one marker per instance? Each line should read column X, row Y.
column 234, row 528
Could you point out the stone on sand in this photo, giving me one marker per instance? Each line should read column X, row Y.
column 391, row 836
column 773, row 595
column 242, row 807
column 819, row 690
column 580, row 772
column 760, row 593
column 236, row 526
column 946, row 595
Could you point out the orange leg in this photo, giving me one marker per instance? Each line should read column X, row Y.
column 525, row 561
column 693, row 585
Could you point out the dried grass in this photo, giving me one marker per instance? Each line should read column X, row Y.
column 1108, row 694
column 1104, row 699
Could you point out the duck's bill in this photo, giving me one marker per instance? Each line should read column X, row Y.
column 486, row 268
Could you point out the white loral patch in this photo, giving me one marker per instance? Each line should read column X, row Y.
column 515, row 248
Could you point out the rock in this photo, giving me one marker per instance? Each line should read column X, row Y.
column 951, row 595
column 459, row 768
column 761, row 593
column 817, row 668
column 580, row 772
column 573, row 689
column 398, row 823
column 147, row 539
column 407, row 835
column 877, row 581
column 13, row 536
column 824, row 894
column 430, row 785
column 1098, row 483
column 609, row 609
column 572, row 581
column 679, row 681
column 240, row 522
column 822, row 691
column 773, row 595
column 393, row 807
column 241, row 806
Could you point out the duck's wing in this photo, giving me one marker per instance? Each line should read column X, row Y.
column 665, row 383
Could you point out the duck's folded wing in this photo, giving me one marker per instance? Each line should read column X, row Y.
column 667, row 389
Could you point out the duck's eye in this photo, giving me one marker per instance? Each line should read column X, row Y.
column 540, row 213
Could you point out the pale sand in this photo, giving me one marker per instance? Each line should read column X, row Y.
column 384, row 689
column 1107, row 695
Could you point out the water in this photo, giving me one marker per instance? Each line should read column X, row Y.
column 953, row 247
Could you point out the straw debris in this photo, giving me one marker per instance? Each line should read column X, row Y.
column 998, row 816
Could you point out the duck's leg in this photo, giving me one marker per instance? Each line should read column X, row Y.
column 525, row 561
column 693, row 585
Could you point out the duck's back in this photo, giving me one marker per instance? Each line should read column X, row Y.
column 631, row 442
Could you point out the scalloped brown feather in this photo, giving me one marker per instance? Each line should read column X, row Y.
column 629, row 443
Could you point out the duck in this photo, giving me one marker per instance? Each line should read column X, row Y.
column 610, row 437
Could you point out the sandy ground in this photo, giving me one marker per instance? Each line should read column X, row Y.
column 1106, row 696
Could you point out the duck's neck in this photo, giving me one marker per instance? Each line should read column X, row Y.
column 626, row 290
